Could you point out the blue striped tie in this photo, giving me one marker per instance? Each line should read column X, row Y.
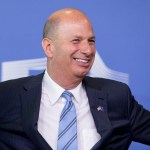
column 67, row 137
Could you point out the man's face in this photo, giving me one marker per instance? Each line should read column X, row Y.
column 73, row 49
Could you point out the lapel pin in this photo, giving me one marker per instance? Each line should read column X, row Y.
column 100, row 108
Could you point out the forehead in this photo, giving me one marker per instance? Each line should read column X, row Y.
column 73, row 27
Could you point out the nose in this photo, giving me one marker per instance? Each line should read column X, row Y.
column 87, row 48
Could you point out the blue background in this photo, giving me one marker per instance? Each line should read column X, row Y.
column 122, row 29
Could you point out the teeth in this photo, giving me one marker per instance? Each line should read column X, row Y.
column 82, row 60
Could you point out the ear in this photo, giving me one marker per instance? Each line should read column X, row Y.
column 47, row 47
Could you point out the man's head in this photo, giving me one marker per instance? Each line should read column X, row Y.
column 69, row 44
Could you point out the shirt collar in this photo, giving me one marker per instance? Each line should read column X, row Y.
column 78, row 92
column 54, row 91
column 51, row 88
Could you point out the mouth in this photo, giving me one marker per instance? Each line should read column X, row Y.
column 82, row 60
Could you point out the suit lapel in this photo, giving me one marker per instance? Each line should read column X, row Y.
column 30, row 98
column 98, row 105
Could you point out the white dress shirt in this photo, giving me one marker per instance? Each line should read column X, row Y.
column 50, row 110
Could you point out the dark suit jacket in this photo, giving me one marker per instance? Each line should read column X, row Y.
column 121, row 121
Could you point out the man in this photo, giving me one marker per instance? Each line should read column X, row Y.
column 106, row 115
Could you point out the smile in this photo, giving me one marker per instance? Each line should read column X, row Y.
column 82, row 60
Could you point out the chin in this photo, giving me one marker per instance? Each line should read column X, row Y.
column 81, row 74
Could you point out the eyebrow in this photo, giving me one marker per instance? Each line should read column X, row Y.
column 93, row 37
column 80, row 37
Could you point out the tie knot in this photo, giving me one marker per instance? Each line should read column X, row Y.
column 67, row 95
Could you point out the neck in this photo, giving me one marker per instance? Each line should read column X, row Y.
column 67, row 83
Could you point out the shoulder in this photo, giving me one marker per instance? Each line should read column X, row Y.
column 105, row 84
column 16, row 84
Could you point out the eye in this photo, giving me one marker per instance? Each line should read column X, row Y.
column 75, row 41
column 92, row 41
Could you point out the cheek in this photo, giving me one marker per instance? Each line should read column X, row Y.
column 65, row 52
column 94, row 52
column 61, row 59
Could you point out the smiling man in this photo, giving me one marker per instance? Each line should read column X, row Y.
column 62, row 108
column 69, row 44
